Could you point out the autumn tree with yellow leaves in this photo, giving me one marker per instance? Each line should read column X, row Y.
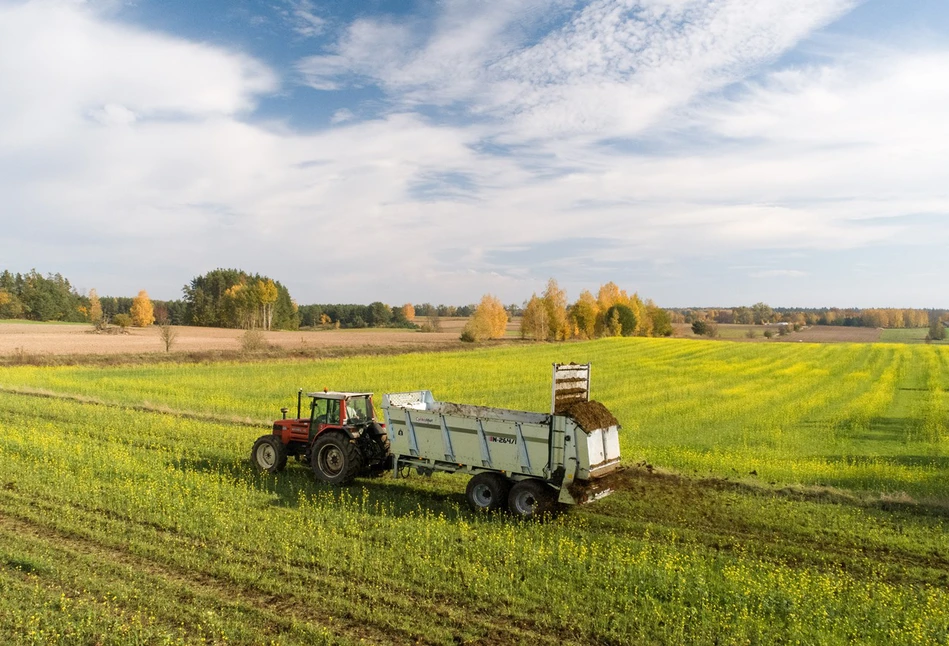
column 250, row 303
column 583, row 315
column 95, row 308
column 142, row 312
column 534, row 320
column 489, row 321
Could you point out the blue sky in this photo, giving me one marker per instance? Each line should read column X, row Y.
column 697, row 152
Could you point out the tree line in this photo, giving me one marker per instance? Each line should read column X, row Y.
column 237, row 299
column 375, row 314
column 763, row 314
column 550, row 316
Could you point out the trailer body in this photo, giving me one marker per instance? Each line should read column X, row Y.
column 519, row 445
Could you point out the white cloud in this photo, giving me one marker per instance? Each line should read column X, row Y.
column 779, row 273
column 135, row 149
column 613, row 69
column 113, row 114
column 342, row 115
column 61, row 63
column 304, row 20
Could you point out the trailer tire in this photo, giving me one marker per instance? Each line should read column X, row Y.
column 488, row 492
column 269, row 454
column 532, row 499
column 335, row 459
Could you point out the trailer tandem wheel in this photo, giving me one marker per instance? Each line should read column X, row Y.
column 488, row 492
column 532, row 499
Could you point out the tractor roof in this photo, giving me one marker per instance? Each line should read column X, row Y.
column 336, row 395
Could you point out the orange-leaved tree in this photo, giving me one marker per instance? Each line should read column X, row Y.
column 142, row 311
column 489, row 320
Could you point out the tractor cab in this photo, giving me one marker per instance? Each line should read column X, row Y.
column 338, row 409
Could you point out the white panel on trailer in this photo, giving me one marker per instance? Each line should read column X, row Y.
column 595, row 447
column 611, row 441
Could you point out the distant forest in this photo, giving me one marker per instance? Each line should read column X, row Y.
column 221, row 298
column 763, row 314
column 237, row 299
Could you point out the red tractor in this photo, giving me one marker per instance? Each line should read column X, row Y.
column 340, row 439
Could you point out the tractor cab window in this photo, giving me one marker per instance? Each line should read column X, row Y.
column 332, row 411
column 319, row 411
column 358, row 409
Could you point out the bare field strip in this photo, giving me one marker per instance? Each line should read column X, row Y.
column 55, row 339
column 58, row 339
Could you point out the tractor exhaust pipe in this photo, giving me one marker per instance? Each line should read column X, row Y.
column 299, row 402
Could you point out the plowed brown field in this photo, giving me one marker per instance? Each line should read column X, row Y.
column 60, row 339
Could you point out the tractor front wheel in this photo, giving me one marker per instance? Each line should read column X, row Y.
column 488, row 492
column 269, row 454
column 335, row 459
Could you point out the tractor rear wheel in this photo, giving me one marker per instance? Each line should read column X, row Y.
column 269, row 454
column 532, row 499
column 335, row 459
column 488, row 492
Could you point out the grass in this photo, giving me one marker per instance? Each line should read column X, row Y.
column 907, row 335
column 794, row 493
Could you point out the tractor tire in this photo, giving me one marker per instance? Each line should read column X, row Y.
column 488, row 492
column 530, row 499
column 269, row 454
column 335, row 459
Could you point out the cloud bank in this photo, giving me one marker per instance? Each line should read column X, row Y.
column 512, row 141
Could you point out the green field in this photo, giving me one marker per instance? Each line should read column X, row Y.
column 784, row 493
column 906, row 335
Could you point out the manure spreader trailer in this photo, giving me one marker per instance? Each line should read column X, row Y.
column 525, row 462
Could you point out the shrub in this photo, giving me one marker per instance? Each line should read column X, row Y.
column 937, row 331
column 468, row 334
column 432, row 324
column 705, row 328
column 253, row 340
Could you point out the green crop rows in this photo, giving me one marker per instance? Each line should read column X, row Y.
column 794, row 493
